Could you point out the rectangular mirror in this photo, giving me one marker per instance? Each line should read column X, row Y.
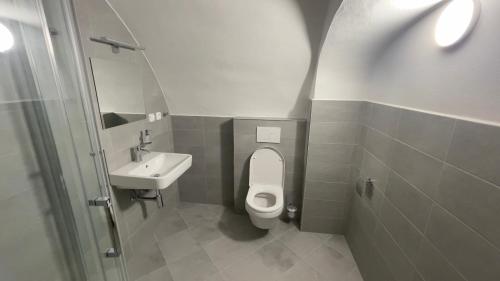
column 118, row 85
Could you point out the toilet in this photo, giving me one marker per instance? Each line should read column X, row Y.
column 264, row 202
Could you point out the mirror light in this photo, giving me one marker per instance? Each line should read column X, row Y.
column 456, row 22
column 6, row 39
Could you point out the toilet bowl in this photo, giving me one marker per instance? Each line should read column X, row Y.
column 264, row 202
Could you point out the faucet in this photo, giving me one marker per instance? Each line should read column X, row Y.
column 139, row 150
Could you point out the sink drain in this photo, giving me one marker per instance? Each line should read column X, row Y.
column 155, row 175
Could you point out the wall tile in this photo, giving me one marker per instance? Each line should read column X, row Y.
column 332, row 111
column 391, row 253
column 415, row 205
column 433, row 266
column 416, row 168
column 188, row 138
column 426, row 132
column 187, row 122
column 326, row 191
column 384, row 118
column 321, row 208
column 413, row 148
column 329, row 172
column 340, row 154
column 337, row 132
column 198, row 164
column 466, row 250
column 322, row 224
column 219, row 124
column 193, row 189
column 405, row 234
column 475, row 202
column 374, row 169
column 378, row 144
column 476, row 149
column 368, row 258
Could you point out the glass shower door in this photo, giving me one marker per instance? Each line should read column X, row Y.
column 50, row 164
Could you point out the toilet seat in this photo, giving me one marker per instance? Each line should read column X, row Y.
column 275, row 191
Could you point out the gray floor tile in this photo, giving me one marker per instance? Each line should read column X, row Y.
column 194, row 267
column 162, row 274
column 177, row 246
column 301, row 272
column 301, row 243
column 268, row 263
column 330, row 262
column 217, row 244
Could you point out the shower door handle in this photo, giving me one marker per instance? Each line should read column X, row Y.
column 105, row 201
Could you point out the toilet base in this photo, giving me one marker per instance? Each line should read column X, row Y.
column 264, row 223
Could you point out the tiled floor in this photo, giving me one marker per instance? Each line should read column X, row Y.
column 219, row 245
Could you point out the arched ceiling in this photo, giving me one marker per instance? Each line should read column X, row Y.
column 231, row 57
column 259, row 58
column 384, row 51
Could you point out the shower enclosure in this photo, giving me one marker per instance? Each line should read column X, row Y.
column 55, row 221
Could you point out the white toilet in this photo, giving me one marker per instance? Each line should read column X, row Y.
column 264, row 202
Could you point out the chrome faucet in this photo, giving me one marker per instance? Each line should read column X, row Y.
column 139, row 150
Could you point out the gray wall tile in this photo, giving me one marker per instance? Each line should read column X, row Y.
column 210, row 141
column 326, row 190
column 193, row 188
column 332, row 111
column 374, row 169
column 384, row 118
column 415, row 167
column 187, row 122
column 433, row 266
column 337, row 132
column 341, row 154
column 426, row 132
column 378, row 144
column 404, row 233
column 188, row 138
column 415, row 205
column 476, row 149
column 399, row 265
column 422, row 155
column 329, row 172
column 475, row 258
column 322, row 224
column 321, row 208
column 474, row 201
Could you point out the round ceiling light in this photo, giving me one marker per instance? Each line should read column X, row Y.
column 6, row 39
column 456, row 21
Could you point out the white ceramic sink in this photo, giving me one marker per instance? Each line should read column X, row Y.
column 157, row 170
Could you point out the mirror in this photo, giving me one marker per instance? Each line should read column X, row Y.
column 118, row 85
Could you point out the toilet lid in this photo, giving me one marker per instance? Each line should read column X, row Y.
column 267, row 167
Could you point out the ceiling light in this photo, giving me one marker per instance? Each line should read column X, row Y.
column 6, row 39
column 456, row 22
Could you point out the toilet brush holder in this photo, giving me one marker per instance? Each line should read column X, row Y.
column 291, row 211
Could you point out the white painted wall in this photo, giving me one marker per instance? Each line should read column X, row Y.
column 251, row 58
column 376, row 51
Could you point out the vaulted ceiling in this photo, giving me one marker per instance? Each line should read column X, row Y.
column 231, row 57
column 259, row 58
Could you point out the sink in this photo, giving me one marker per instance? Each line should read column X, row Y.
column 157, row 170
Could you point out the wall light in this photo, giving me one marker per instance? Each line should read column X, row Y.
column 6, row 39
column 456, row 22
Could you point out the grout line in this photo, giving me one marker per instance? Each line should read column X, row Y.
column 436, row 203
